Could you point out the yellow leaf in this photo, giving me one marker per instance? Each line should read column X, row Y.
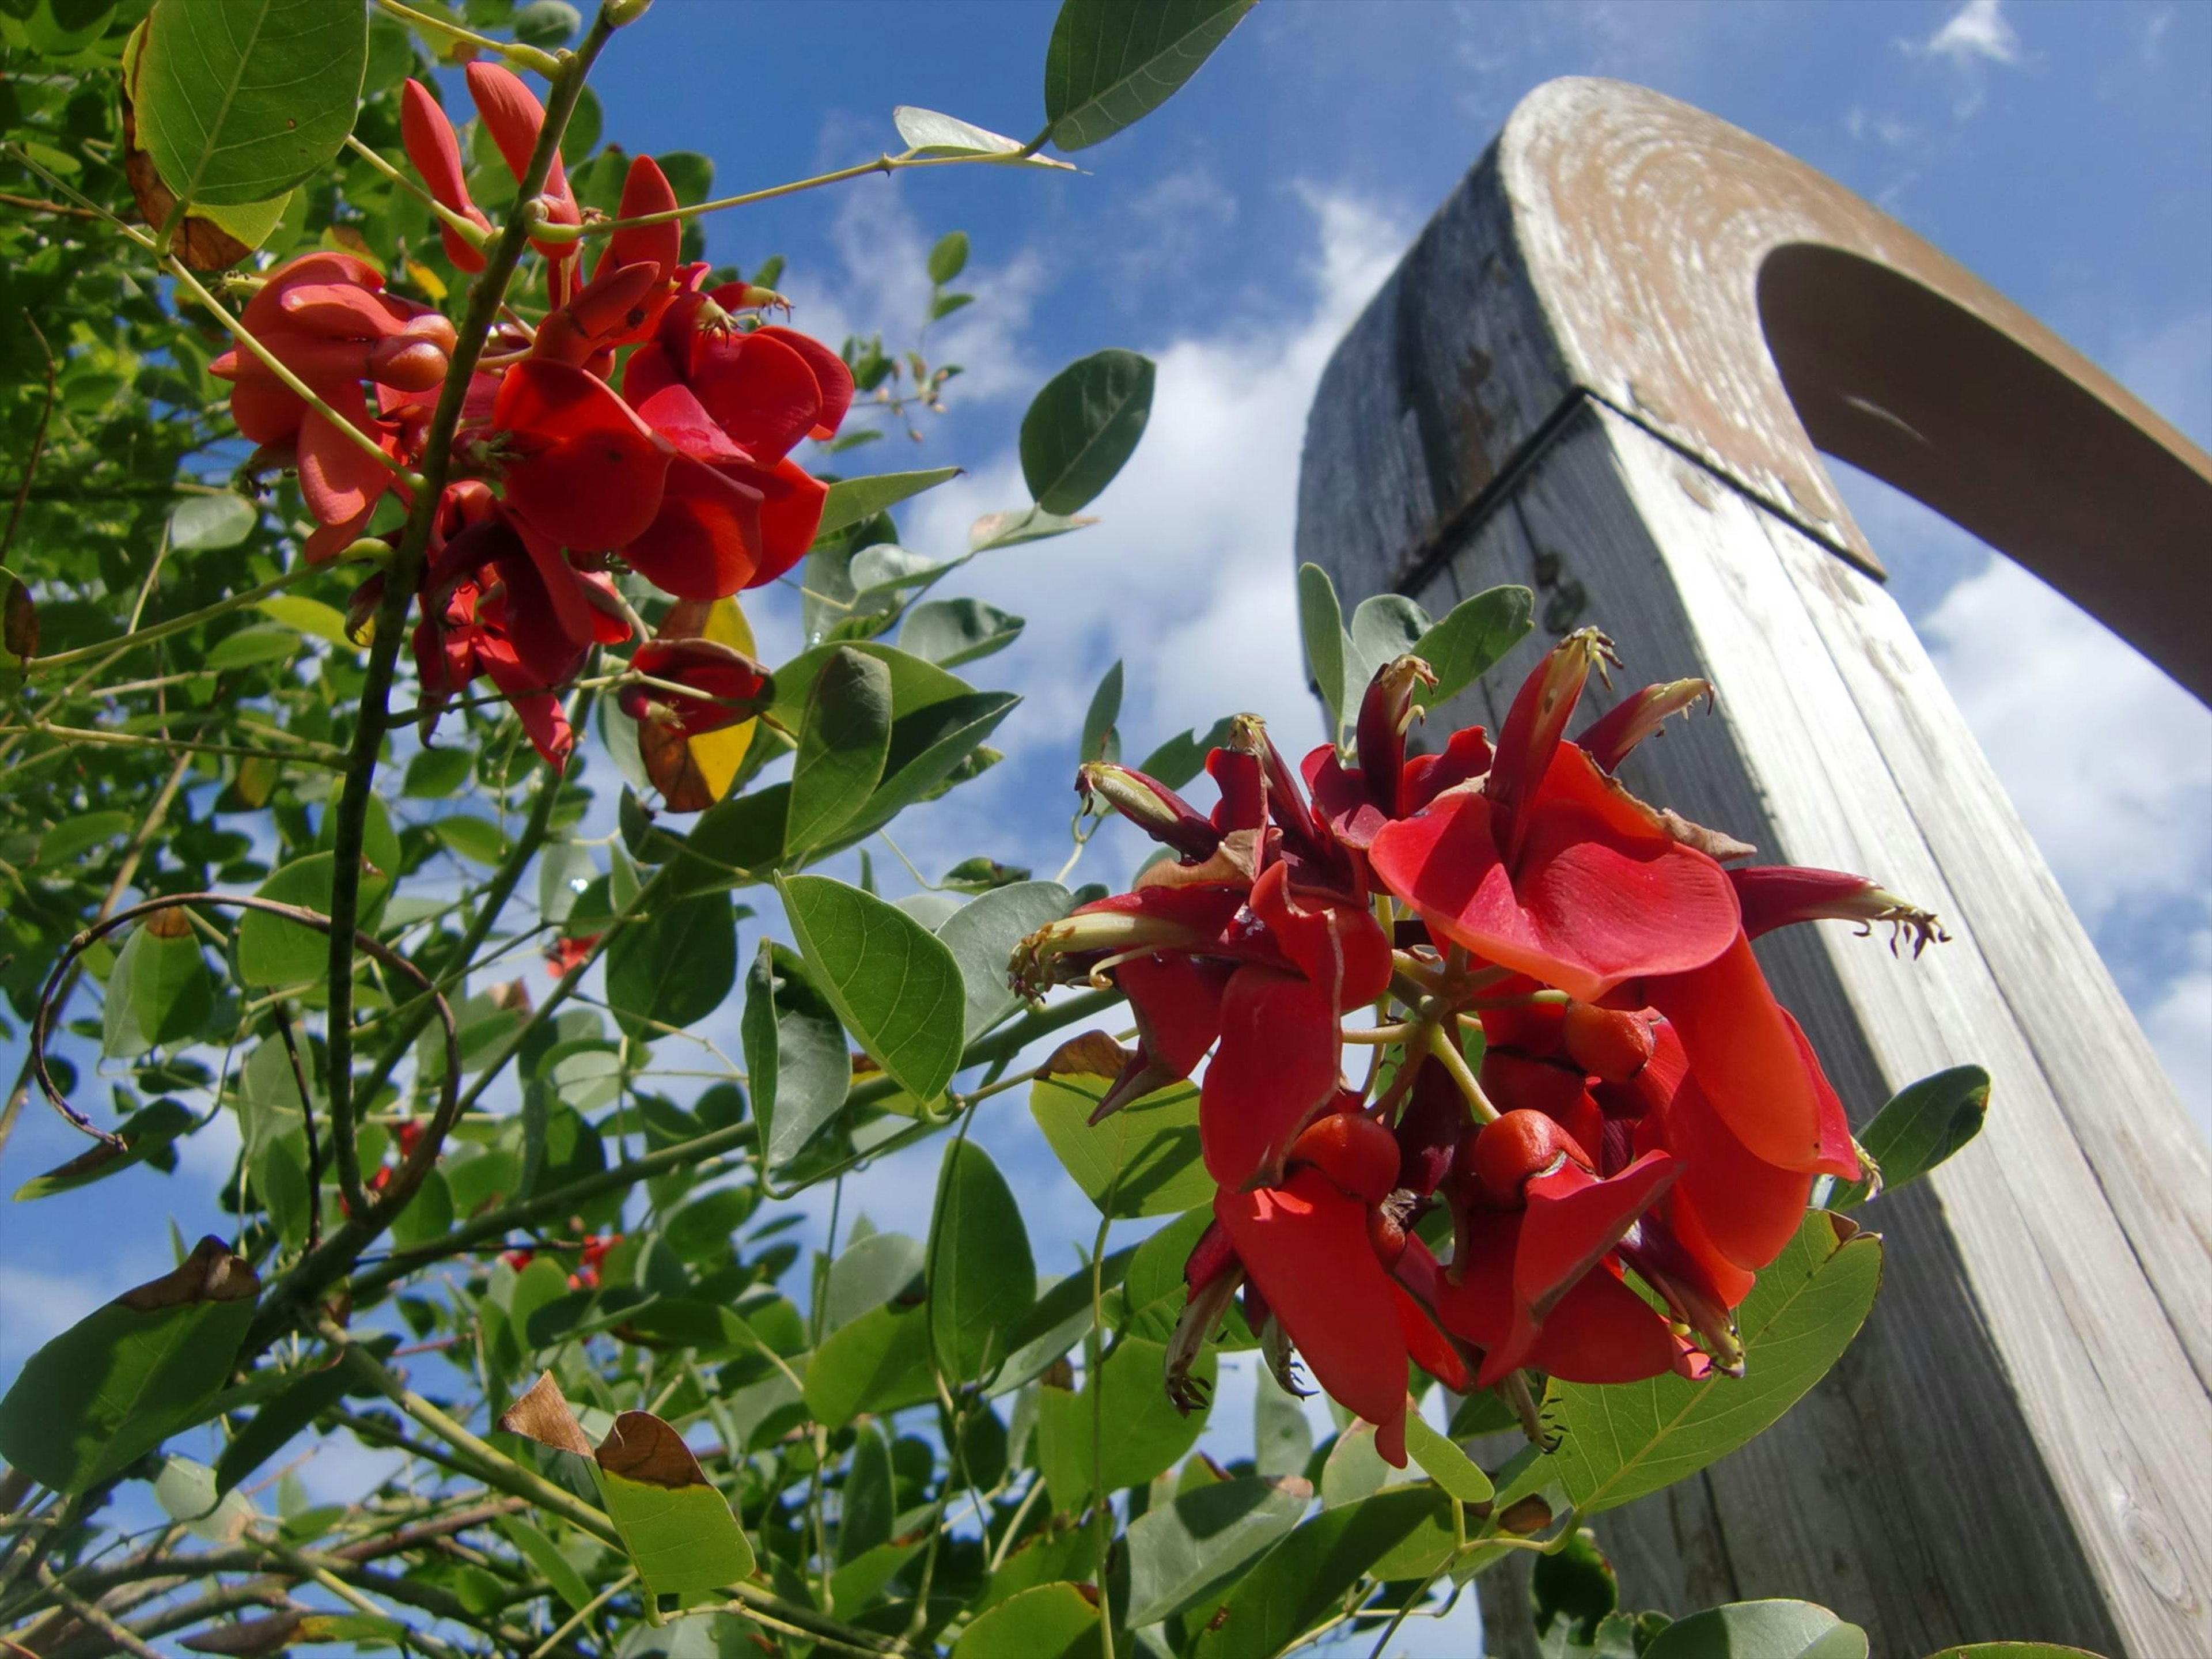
column 718, row 754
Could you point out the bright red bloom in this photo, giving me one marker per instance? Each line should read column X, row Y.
column 1275, row 1068
column 514, row 117
column 437, row 153
column 741, row 685
column 1754, row 1066
column 766, row 388
column 1552, row 870
column 577, row 465
column 630, row 287
column 1305, row 1246
column 565, row 955
column 325, row 318
column 1774, row 895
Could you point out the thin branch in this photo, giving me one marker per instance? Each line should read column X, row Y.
column 38, row 442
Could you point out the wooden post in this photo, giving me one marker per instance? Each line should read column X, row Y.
column 1603, row 370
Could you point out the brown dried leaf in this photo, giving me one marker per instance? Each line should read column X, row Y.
column 209, row 1274
column 22, row 626
column 249, row 1638
column 671, row 766
column 543, row 1415
column 1092, row 1055
column 642, row 1447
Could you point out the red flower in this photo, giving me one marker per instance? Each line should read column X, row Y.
column 564, row 955
column 577, row 465
column 739, row 685
column 324, row 316
column 1551, row 870
column 1305, row 1245
column 436, row 153
column 514, row 117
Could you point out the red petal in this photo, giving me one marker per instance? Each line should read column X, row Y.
column 1277, row 1063
column 1432, row 1350
column 1305, row 1246
column 340, row 311
column 705, row 541
column 645, row 190
column 647, row 373
column 540, row 712
column 1588, row 907
column 595, row 482
column 833, row 380
column 1341, row 948
column 761, row 392
column 675, row 414
column 1728, row 1283
column 1178, row 1006
column 1754, row 1066
column 338, row 479
column 1572, row 1220
column 791, row 514
column 1603, row 1332
column 266, row 411
column 1748, row 1208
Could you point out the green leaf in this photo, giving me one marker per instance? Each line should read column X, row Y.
column 1282, row 1439
column 143, row 1133
column 879, row 1363
column 120, row 1382
column 1203, row 1537
column 545, row 1556
column 565, row 869
column 843, row 737
column 677, row 1528
column 1056, row 1321
column 879, row 1269
column 690, row 174
column 949, row 257
column 1100, row 740
column 1019, row 525
column 929, row 134
column 1444, row 1462
column 1304, row 1578
column 434, row 774
column 1145, row 1432
column 546, row 23
column 1385, row 627
column 186, row 1491
column 1619, row 1441
column 1151, row 1143
column 1924, row 1124
column 1472, row 638
column 1046, row 1621
column 1760, row 1630
column 852, row 500
column 238, row 100
column 895, row 985
column 982, row 936
column 1573, row 1581
column 795, row 1055
column 159, row 992
column 60, row 846
column 274, row 952
column 211, row 521
column 302, row 1397
column 1321, row 625
column 1084, row 426
column 675, row 967
column 2013, row 1651
column 252, row 646
column 477, row 840
column 981, row 1274
column 947, row 304
column 309, row 617
column 1111, row 64
column 949, row 632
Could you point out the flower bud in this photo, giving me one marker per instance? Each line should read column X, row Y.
column 1511, row 1152
column 1638, row 716
column 1150, row 804
column 1606, row 1043
column 1354, row 1152
column 1532, row 732
column 1385, row 713
column 406, row 365
column 1774, row 895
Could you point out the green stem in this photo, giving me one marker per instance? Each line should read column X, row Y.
column 881, row 164
column 404, row 574
column 1094, row 1384
column 185, row 624
column 515, row 51
column 467, row 229
column 318, row 754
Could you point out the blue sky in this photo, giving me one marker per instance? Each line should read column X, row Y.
column 2064, row 152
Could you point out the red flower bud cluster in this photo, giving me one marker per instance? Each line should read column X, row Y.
column 684, row 474
column 592, row 1252
column 1643, row 1105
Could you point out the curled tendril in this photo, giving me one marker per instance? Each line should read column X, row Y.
column 411, row 1169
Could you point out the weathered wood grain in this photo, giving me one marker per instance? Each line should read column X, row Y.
column 2021, row 1443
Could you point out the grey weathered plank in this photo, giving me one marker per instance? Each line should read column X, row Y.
column 2021, row 1443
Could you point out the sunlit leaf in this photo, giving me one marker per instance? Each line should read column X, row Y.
column 1150, row 1144
column 844, row 736
column 676, row 967
column 795, row 1055
column 679, row 1529
column 895, row 985
column 1760, row 1630
column 1924, row 1124
column 1082, row 428
column 1110, row 63
column 980, row 1276
column 1203, row 1537
column 852, row 500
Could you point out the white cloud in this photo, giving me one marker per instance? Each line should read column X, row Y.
column 2179, row 1026
column 1977, row 29
column 1972, row 38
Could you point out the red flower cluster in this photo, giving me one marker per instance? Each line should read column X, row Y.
column 685, row 475
column 589, row 1255
column 1643, row 1104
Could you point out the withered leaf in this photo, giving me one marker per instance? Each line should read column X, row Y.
column 543, row 1415
column 642, row 1447
column 1092, row 1055
column 22, row 627
column 209, row 1274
